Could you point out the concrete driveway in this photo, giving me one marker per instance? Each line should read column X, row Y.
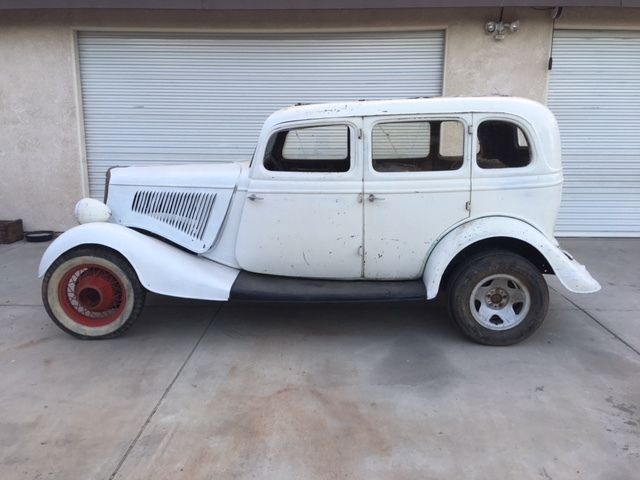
column 201, row 390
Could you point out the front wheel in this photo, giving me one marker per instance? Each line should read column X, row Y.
column 92, row 293
column 498, row 298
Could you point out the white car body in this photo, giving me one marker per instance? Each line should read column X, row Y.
column 362, row 225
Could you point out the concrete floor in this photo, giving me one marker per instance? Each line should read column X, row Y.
column 204, row 390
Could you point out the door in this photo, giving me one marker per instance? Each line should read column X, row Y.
column 594, row 91
column 416, row 185
column 303, row 213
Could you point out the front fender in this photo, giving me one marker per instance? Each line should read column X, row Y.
column 161, row 268
column 571, row 274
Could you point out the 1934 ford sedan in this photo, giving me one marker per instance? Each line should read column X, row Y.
column 358, row 201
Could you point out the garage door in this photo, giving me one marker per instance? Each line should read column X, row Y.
column 167, row 98
column 594, row 91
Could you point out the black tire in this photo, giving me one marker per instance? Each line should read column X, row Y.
column 92, row 293
column 501, row 279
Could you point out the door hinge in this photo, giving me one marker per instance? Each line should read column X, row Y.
column 470, row 129
column 360, row 197
column 361, row 251
column 359, row 133
column 467, row 206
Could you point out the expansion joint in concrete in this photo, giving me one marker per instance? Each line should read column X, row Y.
column 604, row 327
column 164, row 395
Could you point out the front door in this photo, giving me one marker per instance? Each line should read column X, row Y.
column 303, row 212
column 417, row 184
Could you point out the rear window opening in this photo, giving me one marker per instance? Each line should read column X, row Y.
column 502, row 144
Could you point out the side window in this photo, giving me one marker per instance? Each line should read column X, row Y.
column 309, row 149
column 502, row 144
column 424, row 146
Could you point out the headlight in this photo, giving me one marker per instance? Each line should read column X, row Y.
column 90, row 210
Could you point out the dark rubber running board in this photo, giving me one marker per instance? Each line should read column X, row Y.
column 269, row 288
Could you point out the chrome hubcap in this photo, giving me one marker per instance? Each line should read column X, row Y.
column 500, row 302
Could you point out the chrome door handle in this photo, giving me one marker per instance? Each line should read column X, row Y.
column 373, row 198
column 253, row 197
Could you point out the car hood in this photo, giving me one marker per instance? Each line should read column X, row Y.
column 185, row 204
column 212, row 175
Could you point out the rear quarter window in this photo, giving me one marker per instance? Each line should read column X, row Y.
column 502, row 144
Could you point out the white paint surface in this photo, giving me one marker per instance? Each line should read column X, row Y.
column 571, row 274
column 161, row 268
column 318, row 225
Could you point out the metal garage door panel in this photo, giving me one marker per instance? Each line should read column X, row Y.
column 594, row 91
column 151, row 98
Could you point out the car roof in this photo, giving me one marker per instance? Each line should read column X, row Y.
column 542, row 122
column 525, row 108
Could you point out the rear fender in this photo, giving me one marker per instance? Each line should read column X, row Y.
column 573, row 276
column 161, row 268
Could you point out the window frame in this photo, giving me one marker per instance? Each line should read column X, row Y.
column 373, row 174
column 528, row 132
column 353, row 152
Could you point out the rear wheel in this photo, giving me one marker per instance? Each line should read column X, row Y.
column 498, row 298
column 92, row 293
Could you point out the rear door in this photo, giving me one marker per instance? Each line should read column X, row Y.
column 417, row 184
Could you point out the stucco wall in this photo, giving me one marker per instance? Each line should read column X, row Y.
column 41, row 154
column 40, row 174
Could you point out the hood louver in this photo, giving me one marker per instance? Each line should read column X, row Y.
column 189, row 217
column 185, row 204
column 186, row 211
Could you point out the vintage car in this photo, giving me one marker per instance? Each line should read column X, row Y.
column 356, row 201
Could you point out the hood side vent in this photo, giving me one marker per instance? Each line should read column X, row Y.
column 185, row 204
column 186, row 211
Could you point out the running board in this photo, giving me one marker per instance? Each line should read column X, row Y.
column 268, row 288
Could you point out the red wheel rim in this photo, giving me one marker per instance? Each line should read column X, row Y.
column 92, row 295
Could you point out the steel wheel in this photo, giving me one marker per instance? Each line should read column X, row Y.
column 500, row 302
column 92, row 293
column 498, row 298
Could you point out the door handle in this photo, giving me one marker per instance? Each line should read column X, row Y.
column 253, row 197
column 373, row 198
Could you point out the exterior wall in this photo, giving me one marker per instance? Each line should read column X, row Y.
column 40, row 168
column 477, row 64
column 41, row 150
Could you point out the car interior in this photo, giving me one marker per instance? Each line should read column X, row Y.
column 502, row 145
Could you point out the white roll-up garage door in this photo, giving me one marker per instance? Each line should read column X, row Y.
column 594, row 91
column 151, row 98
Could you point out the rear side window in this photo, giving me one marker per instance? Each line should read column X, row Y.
column 312, row 149
column 502, row 144
column 424, row 146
